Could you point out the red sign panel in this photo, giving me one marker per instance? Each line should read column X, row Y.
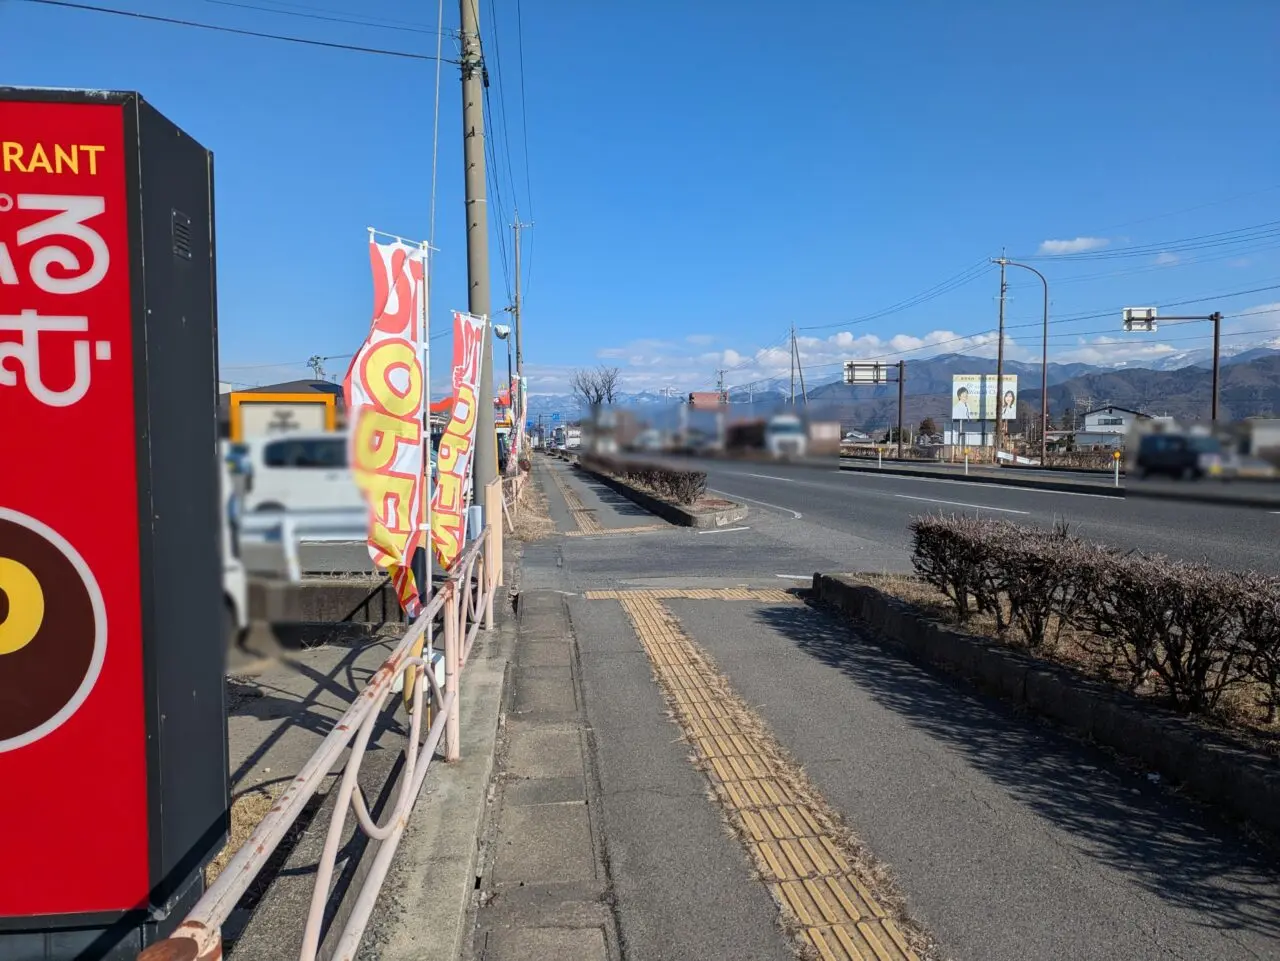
column 72, row 719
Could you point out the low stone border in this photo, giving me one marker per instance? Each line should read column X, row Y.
column 324, row 600
column 670, row 512
column 1046, row 484
column 1209, row 766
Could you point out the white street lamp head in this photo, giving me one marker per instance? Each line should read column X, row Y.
column 502, row 330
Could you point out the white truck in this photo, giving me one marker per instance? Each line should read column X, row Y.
column 784, row 436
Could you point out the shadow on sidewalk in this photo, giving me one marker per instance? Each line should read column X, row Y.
column 1175, row 851
column 612, row 499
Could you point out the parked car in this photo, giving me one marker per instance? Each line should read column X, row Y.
column 301, row 470
column 1183, row 456
column 235, row 591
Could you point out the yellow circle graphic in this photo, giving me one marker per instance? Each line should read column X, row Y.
column 26, row 605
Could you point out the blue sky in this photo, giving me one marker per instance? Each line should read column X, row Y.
column 703, row 175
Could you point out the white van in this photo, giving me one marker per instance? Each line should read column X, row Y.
column 235, row 590
column 298, row 471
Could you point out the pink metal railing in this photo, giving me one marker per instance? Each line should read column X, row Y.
column 464, row 604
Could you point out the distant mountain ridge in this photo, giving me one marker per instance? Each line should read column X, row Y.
column 1250, row 386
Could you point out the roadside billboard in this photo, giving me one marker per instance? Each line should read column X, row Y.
column 258, row 414
column 973, row 396
column 112, row 718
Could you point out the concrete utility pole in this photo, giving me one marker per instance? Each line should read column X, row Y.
column 724, row 394
column 797, row 367
column 1000, row 368
column 793, row 365
column 517, row 227
column 474, row 80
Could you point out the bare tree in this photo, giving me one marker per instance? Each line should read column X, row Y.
column 594, row 387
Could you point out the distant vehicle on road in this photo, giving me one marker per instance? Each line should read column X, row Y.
column 784, row 436
column 1182, row 456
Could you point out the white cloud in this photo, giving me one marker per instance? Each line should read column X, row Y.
column 1261, row 309
column 1077, row 246
column 701, row 340
column 1166, row 259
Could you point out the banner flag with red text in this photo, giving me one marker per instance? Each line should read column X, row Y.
column 453, row 460
column 385, row 397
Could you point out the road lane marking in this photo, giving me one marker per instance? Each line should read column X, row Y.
column 724, row 530
column 987, row 486
column 788, row 830
column 785, row 480
column 786, row 510
column 795, row 577
column 977, row 507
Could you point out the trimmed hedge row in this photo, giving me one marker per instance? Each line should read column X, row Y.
column 1195, row 630
column 670, row 484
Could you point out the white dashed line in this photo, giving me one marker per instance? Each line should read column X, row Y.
column 976, row 507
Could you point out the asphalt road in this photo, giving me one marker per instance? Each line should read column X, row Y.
column 878, row 508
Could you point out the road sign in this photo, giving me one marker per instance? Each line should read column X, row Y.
column 1140, row 318
column 873, row 373
column 555, row 418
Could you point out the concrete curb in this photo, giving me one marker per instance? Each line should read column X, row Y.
column 670, row 512
column 1196, row 497
column 325, row 600
column 1065, row 487
column 1211, row 767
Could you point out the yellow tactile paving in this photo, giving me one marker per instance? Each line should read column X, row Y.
column 585, row 515
column 797, row 850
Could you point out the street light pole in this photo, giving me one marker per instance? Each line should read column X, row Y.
column 1044, row 359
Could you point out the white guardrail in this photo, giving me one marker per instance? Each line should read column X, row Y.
column 293, row 528
column 460, row 608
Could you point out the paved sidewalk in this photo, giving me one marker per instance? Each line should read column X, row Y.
column 544, row 889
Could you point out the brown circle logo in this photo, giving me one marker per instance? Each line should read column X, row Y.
column 52, row 630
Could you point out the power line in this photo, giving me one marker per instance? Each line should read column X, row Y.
column 1160, row 267
column 502, row 99
column 1239, row 235
column 307, row 13
column 966, row 276
column 1187, row 210
column 354, row 48
column 524, row 125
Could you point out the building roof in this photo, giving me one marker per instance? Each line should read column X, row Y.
column 297, row 387
column 1112, row 408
